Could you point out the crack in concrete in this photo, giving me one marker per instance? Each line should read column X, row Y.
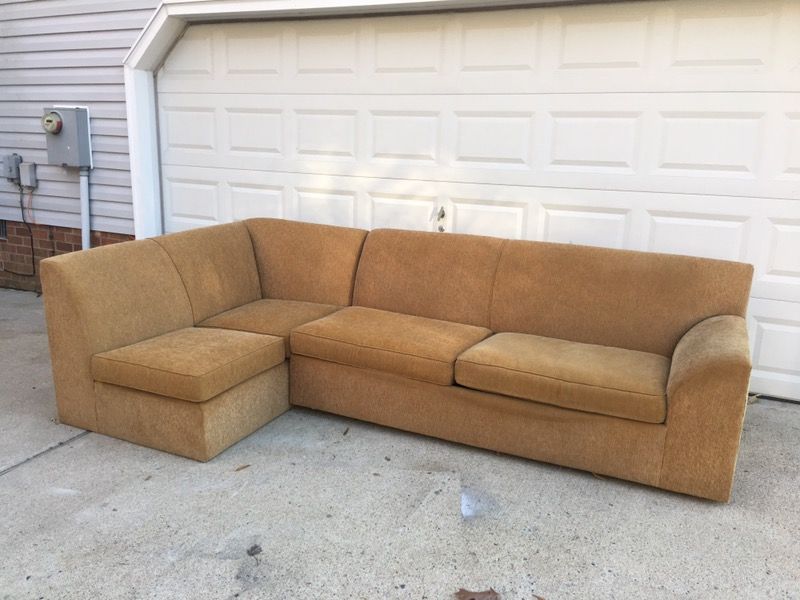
column 43, row 452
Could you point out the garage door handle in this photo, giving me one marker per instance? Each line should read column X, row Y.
column 438, row 215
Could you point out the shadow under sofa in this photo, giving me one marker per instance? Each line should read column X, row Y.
column 628, row 364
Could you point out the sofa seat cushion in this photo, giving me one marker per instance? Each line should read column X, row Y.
column 271, row 317
column 193, row 364
column 587, row 377
column 415, row 347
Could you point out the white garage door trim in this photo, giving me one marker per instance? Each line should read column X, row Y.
column 165, row 28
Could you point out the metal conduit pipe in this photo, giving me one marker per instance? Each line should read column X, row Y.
column 86, row 217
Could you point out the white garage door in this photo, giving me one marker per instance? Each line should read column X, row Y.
column 663, row 126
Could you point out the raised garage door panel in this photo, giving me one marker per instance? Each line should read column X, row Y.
column 682, row 143
column 664, row 126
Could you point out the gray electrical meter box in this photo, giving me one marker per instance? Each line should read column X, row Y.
column 68, row 136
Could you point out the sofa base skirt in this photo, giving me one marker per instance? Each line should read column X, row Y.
column 198, row 430
column 605, row 445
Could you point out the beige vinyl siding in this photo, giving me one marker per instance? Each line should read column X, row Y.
column 68, row 52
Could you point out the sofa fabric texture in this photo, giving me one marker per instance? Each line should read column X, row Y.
column 707, row 392
column 571, row 438
column 216, row 265
column 197, row 430
column 193, row 364
column 102, row 299
column 628, row 364
column 598, row 379
column 624, row 299
column 307, row 262
column 271, row 317
column 415, row 347
column 445, row 277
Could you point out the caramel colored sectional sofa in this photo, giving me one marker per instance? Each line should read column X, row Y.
column 628, row 364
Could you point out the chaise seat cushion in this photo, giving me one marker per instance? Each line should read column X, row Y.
column 270, row 317
column 415, row 347
column 193, row 364
column 587, row 377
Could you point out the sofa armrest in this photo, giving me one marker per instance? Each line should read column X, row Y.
column 102, row 299
column 706, row 401
column 716, row 347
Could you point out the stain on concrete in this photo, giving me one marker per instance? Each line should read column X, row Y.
column 476, row 503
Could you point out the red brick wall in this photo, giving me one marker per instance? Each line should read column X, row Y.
column 48, row 240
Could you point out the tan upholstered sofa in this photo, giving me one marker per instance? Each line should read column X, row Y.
column 628, row 364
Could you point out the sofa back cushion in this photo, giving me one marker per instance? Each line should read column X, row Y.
column 305, row 261
column 123, row 293
column 217, row 267
column 434, row 275
column 636, row 300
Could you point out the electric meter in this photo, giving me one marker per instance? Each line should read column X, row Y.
column 52, row 122
column 69, row 139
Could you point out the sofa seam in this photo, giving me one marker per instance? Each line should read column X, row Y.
column 660, row 476
column 260, row 293
column 182, row 398
column 461, row 386
column 255, row 259
column 243, row 356
column 494, row 281
column 662, row 422
column 599, row 387
column 322, row 337
column 150, row 391
column 335, row 307
column 372, row 369
column 356, row 269
column 180, row 276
